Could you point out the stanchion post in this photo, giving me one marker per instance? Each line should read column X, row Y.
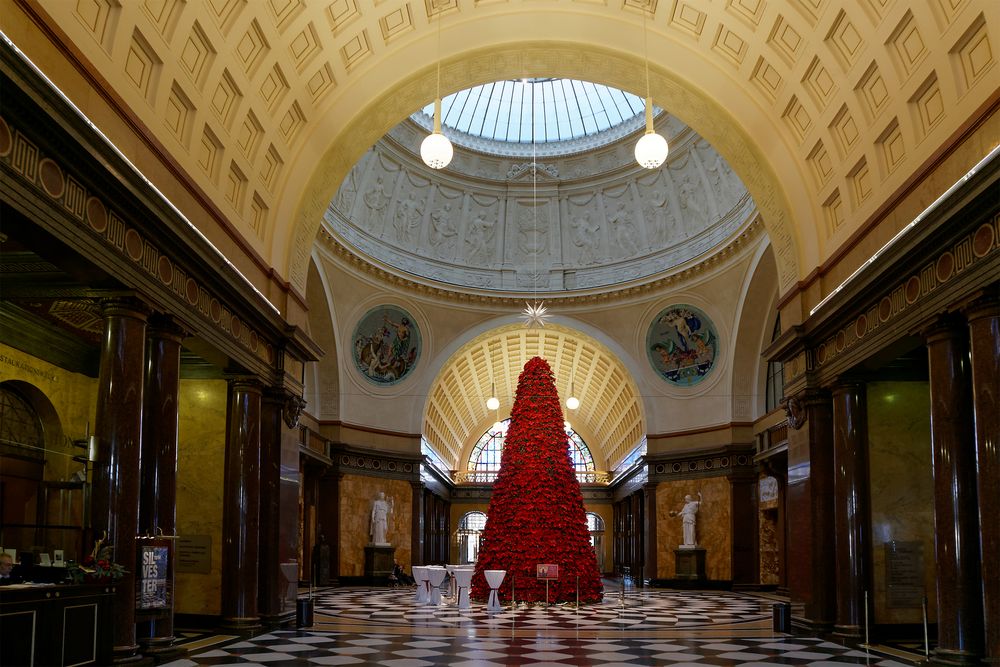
column 927, row 644
column 866, row 644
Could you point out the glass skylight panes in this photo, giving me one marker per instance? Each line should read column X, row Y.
column 557, row 109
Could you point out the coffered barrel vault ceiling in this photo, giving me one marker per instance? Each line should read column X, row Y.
column 817, row 105
column 610, row 416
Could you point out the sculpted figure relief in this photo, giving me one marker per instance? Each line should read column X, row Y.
column 443, row 231
column 479, row 239
column 586, row 237
column 693, row 211
column 376, row 200
column 407, row 220
column 623, row 231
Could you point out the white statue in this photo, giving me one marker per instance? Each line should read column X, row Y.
column 689, row 517
column 381, row 509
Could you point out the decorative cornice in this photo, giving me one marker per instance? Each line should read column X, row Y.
column 970, row 250
column 347, row 460
column 93, row 215
column 688, row 465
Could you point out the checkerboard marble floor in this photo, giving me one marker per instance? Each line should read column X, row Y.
column 357, row 626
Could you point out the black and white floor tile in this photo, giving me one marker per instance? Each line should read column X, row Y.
column 380, row 627
column 651, row 610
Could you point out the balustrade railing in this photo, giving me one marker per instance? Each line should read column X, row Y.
column 488, row 477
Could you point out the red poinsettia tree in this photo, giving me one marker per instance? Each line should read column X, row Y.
column 536, row 514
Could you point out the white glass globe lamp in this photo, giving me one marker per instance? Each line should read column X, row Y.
column 436, row 151
column 572, row 402
column 492, row 403
column 651, row 149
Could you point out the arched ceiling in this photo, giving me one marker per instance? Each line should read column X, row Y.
column 610, row 417
column 823, row 108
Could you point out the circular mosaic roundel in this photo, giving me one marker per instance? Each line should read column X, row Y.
column 386, row 344
column 682, row 345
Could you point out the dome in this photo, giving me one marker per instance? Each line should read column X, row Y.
column 570, row 221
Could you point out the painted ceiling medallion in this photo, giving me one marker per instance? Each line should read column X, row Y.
column 386, row 345
column 682, row 345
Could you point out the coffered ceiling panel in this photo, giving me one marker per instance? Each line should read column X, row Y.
column 266, row 104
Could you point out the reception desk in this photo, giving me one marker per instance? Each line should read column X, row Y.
column 56, row 625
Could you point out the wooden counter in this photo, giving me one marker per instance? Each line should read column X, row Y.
column 56, row 625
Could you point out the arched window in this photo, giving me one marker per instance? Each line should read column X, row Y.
column 470, row 531
column 775, row 381
column 20, row 425
column 595, row 524
column 485, row 455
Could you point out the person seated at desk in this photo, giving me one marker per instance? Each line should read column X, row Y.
column 398, row 574
column 7, row 573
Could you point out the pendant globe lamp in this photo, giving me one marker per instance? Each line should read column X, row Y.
column 493, row 403
column 651, row 149
column 572, row 402
column 436, row 150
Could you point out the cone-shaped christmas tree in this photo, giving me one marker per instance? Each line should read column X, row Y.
column 536, row 513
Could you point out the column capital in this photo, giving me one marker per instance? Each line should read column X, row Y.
column 248, row 383
column 947, row 325
column 166, row 326
column 982, row 308
column 125, row 306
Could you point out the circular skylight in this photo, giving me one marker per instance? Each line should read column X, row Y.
column 554, row 110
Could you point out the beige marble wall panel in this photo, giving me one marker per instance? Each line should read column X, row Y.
column 201, row 450
column 713, row 528
column 769, row 547
column 356, row 495
column 71, row 405
column 902, row 486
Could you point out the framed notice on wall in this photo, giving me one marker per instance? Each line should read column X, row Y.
column 904, row 574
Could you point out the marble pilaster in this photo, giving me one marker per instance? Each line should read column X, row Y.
column 809, row 510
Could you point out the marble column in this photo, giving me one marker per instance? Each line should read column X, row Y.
column 118, row 428
column 270, row 582
column 956, row 521
column 417, row 525
column 744, row 527
column 851, row 508
column 158, row 464
column 984, row 337
column 328, row 518
column 241, row 506
column 649, row 517
column 809, row 510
